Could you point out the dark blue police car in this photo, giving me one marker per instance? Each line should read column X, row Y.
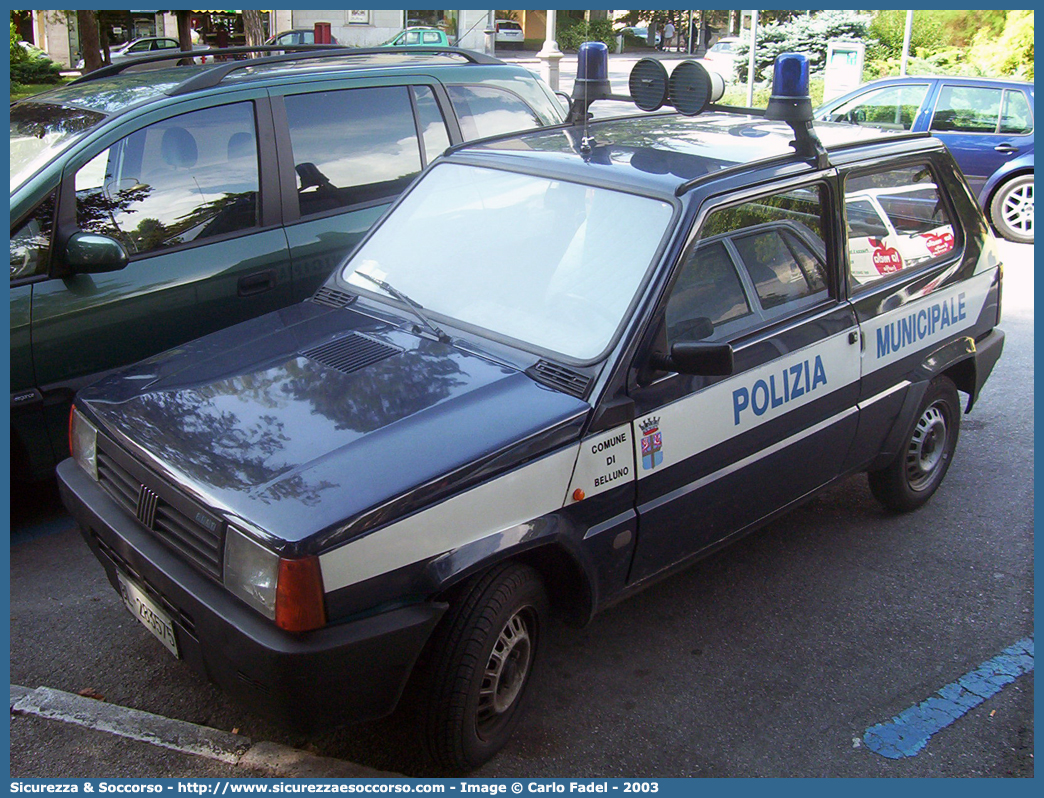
column 623, row 344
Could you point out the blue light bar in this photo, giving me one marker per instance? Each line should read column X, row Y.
column 790, row 76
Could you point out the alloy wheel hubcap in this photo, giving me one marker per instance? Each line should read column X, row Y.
column 1018, row 209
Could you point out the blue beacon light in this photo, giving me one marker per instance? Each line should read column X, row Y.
column 592, row 72
column 790, row 103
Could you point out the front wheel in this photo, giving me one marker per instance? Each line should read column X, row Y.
column 1011, row 210
column 480, row 665
column 918, row 469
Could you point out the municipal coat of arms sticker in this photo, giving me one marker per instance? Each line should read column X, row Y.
column 652, row 443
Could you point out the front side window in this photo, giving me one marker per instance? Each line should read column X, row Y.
column 889, row 107
column 462, row 245
column 31, row 243
column 352, row 146
column 489, row 111
column 896, row 221
column 967, row 109
column 185, row 179
column 750, row 262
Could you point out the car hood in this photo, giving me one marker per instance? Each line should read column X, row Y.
column 307, row 420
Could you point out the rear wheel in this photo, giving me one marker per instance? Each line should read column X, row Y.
column 1011, row 210
column 480, row 664
column 918, row 469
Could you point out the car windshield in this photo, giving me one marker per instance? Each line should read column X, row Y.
column 40, row 131
column 548, row 263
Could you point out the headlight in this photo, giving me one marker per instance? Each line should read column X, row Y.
column 83, row 442
column 251, row 571
column 290, row 592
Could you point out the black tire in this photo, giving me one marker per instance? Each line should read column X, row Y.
column 479, row 665
column 1011, row 209
column 918, row 469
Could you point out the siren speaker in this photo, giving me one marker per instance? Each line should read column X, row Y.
column 648, row 84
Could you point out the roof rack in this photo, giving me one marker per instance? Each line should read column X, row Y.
column 287, row 53
column 181, row 55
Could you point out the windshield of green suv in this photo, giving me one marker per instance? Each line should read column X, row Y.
column 545, row 262
column 40, row 131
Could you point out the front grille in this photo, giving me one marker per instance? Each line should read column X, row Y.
column 172, row 517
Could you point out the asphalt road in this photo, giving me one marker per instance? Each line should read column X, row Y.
column 771, row 658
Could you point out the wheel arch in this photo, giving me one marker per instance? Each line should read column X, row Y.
column 570, row 583
column 1010, row 171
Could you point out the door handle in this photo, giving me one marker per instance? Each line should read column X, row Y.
column 257, row 283
column 1007, row 149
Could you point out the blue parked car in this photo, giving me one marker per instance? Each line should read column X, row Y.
column 987, row 124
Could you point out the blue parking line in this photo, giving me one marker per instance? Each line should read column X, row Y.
column 909, row 731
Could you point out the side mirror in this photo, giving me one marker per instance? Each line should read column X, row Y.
column 90, row 253
column 697, row 358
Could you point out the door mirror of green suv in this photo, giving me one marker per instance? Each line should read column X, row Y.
column 89, row 253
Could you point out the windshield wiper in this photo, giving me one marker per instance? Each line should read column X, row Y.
column 414, row 306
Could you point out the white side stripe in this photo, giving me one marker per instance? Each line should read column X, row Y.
column 728, row 408
column 915, row 325
column 502, row 503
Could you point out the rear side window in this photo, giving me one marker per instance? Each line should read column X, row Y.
column 967, row 109
column 352, row 146
column 1016, row 117
column 185, row 179
column 489, row 111
column 896, row 220
column 431, row 122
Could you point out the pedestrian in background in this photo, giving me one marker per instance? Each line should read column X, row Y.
column 668, row 35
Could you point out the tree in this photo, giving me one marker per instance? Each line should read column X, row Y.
column 1010, row 54
column 184, row 29
column 90, row 42
column 255, row 33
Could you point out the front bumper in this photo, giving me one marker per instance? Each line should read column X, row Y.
column 349, row 671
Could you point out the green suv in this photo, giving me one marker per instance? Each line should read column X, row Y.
column 152, row 206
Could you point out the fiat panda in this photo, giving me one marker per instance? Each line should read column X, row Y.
column 623, row 344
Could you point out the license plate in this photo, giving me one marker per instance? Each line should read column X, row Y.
column 145, row 610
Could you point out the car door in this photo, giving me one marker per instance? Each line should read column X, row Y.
column 983, row 126
column 31, row 246
column 186, row 198
column 715, row 455
column 347, row 153
column 924, row 294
